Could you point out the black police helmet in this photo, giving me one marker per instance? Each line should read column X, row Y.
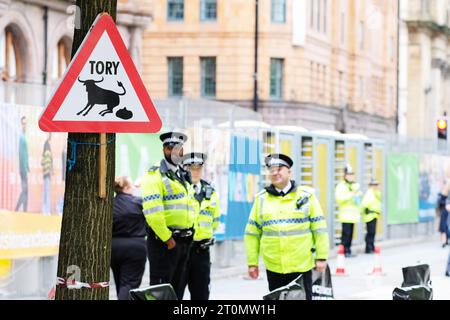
column 278, row 160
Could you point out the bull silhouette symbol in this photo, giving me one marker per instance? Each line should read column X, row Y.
column 97, row 95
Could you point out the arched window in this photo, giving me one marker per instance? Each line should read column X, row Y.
column 61, row 59
column 10, row 66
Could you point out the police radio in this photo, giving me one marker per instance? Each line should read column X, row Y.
column 301, row 202
column 208, row 192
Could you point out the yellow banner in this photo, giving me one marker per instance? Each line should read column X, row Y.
column 25, row 235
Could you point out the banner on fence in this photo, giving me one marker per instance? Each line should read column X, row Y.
column 403, row 188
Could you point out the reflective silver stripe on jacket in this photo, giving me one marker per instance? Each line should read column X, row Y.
column 177, row 227
column 178, row 207
column 253, row 234
column 321, row 230
column 153, row 210
column 260, row 208
column 167, row 185
column 205, row 224
column 285, row 233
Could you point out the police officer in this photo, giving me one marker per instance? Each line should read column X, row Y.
column 347, row 196
column 286, row 225
column 206, row 204
column 371, row 211
column 167, row 195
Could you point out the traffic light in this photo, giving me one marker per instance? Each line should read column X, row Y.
column 442, row 129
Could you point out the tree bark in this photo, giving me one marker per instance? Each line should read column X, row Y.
column 85, row 244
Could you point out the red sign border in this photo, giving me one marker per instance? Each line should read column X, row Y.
column 46, row 122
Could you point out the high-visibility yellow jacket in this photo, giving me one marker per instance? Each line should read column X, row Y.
column 167, row 202
column 208, row 212
column 371, row 205
column 285, row 233
column 348, row 208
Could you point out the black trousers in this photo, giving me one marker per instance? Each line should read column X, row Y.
column 370, row 235
column 23, row 197
column 197, row 276
column 168, row 266
column 128, row 257
column 347, row 235
column 277, row 280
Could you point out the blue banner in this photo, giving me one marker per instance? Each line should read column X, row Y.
column 244, row 183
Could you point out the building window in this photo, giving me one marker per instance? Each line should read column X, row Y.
column 391, row 97
column 276, row 78
column 208, row 10
column 318, row 15
column 360, row 87
column 208, row 73
column 361, row 35
column 175, row 10
column 325, row 15
column 175, row 77
column 341, row 82
column 279, row 11
column 392, row 48
column 312, row 80
column 9, row 56
column 311, row 18
column 425, row 7
column 61, row 59
column 324, row 82
column 342, row 28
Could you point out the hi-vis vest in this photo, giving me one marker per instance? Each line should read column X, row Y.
column 371, row 205
column 166, row 202
column 348, row 208
column 208, row 213
column 285, row 230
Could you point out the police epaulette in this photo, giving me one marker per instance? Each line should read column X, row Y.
column 208, row 183
column 308, row 190
column 261, row 192
column 153, row 169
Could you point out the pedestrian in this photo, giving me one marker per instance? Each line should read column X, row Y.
column 371, row 211
column 443, row 214
column 447, row 207
column 287, row 226
column 206, row 204
column 129, row 250
column 348, row 196
column 47, row 171
column 167, row 195
column 24, row 167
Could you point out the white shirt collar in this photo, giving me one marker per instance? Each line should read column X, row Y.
column 286, row 189
column 199, row 187
column 171, row 167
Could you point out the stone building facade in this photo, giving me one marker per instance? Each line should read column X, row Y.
column 322, row 64
column 424, row 67
column 36, row 36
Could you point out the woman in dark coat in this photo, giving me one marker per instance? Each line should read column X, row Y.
column 129, row 249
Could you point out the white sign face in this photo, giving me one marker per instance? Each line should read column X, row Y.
column 103, row 91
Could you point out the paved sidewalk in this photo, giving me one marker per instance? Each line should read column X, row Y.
column 237, row 268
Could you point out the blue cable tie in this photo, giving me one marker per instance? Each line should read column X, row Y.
column 72, row 162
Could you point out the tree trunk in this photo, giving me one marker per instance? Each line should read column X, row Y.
column 85, row 244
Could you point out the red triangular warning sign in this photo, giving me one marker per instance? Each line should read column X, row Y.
column 101, row 90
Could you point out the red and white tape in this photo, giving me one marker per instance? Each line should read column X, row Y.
column 73, row 284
